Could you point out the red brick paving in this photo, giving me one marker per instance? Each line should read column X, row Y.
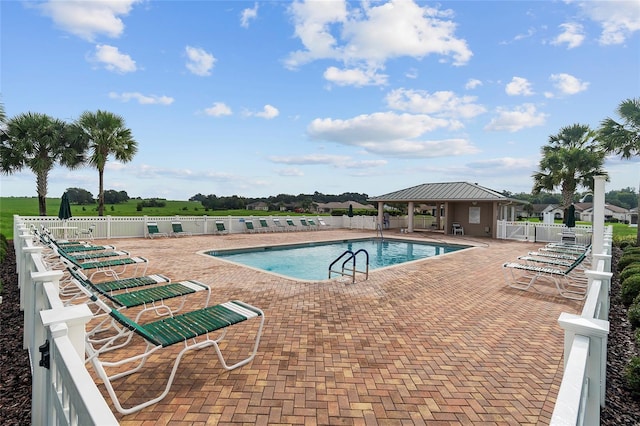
column 437, row 342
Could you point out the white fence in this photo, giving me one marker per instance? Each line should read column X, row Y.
column 107, row 227
column 62, row 390
column 539, row 232
column 583, row 388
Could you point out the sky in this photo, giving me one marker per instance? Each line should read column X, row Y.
column 263, row 98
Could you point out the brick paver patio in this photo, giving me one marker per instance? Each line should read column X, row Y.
column 436, row 342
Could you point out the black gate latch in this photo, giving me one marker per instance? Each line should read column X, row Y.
column 44, row 355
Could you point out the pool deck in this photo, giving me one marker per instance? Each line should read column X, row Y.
column 436, row 342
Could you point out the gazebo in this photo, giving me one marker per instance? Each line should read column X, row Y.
column 474, row 207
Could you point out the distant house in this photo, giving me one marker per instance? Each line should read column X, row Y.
column 258, row 205
column 584, row 212
column 610, row 212
column 343, row 205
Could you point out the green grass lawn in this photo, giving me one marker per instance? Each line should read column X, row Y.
column 28, row 206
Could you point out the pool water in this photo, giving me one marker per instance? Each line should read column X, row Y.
column 310, row 261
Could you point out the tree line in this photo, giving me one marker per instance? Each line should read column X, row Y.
column 301, row 201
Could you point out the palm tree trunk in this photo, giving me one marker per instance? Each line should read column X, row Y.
column 101, row 192
column 41, row 188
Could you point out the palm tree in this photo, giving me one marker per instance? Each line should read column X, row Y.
column 571, row 159
column 623, row 138
column 106, row 135
column 38, row 141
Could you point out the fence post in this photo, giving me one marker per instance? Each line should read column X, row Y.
column 75, row 317
column 38, row 336
column 597, row 331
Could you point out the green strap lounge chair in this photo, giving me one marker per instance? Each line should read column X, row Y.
column 193, row 330
column 220, row 228
column 109, row 267
column 177, row 231
column 153, row 231
column 305, row 225
column 264, row 225
column 569, row 281
column 292, row 226
column 249, row 225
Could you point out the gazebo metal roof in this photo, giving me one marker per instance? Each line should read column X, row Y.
column 448, row 191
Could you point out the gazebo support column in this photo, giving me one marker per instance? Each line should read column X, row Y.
column 380, row 213
column 411, row 213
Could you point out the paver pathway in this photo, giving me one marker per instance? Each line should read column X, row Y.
column 440, row 341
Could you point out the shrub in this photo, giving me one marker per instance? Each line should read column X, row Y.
column 3, row 247
column 633, row 314
column 633, row 269
column 630, row 250
column 624, row 241
column 632, row 375
column 627, row 259
column 630, row 289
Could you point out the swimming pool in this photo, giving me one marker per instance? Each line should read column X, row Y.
column 310, row 261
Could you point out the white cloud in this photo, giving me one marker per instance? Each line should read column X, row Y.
column 87, row 19
column 519, row 118
column 572, row 35
column 366, row 37
column 354, row 77
column 519, row 86
column 442, row 103
column 377, row 127
column 619, row 20
column 142, row 99
column 340, row 161
column 269, row 112
column 247, row 15
column 472, row 83
column 218, row 109
column 290, row 172
column 111, row 58
column 200, row 62
column 568, row 84
column 498, row 166
column 389, row 134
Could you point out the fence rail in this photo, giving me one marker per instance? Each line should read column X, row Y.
column 540, row 232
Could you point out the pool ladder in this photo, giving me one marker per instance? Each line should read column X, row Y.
column 351, row 272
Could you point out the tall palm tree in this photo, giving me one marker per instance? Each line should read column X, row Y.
column 106, row 135
column 623, row 138
column 38, row 141
column 571, row 159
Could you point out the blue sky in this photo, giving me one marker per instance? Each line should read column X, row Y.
column 262, row 98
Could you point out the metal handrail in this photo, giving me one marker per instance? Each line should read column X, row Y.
column 352, row 257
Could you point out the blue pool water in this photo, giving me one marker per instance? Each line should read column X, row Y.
column 310, row 261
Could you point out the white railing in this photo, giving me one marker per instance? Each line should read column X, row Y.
column 107, row 227
column 539, row 232
column 583, row 388
column 62, row 390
